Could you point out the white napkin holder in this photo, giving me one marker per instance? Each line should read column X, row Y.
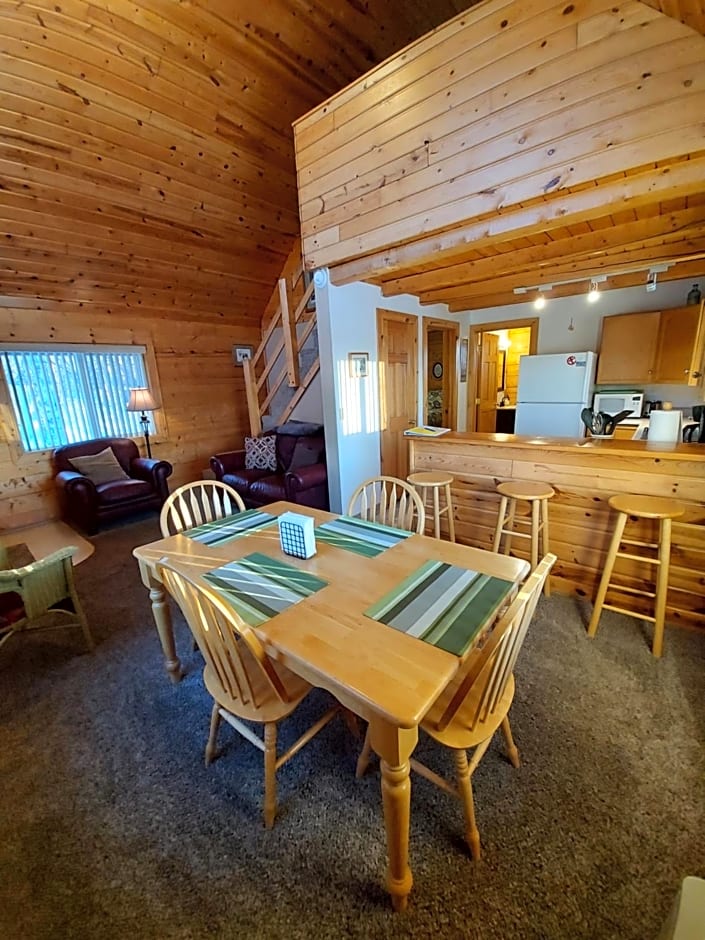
column 296, row 535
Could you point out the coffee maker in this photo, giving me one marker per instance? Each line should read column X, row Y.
column 695, row 433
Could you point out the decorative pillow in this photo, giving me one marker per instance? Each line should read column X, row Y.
column 261, row 453
column 100, row 468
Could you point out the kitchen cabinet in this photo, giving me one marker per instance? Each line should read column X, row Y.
column 655, row 347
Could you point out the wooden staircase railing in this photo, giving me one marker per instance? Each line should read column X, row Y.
column 261, row 386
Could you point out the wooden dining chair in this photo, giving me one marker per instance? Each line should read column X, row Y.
column 39, row 595
column 390, row 501
column 244, row 683
column 195, row 503
column 477, row 701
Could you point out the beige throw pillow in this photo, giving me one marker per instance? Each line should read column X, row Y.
column 100, row 468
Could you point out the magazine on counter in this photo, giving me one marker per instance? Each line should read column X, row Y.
column 425, row 430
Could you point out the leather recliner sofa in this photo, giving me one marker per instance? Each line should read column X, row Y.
column 301, row 475
column 87, row 504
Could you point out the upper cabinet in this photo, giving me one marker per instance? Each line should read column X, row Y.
column 659, row 347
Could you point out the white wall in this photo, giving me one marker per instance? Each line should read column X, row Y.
column 347, row 322
column 560, row 314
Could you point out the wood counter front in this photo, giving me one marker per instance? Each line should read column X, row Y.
column 584, row 474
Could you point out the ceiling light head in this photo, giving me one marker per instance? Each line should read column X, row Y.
column 593, row 293
column 540, row 302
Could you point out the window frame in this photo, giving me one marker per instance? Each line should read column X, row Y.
column 8, row 419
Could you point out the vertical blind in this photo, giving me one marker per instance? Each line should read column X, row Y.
column 61, row 396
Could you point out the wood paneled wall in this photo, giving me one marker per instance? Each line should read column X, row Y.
column 202, row 394
column 512, row 120
column 581, row 521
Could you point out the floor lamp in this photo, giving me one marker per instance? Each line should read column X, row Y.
column 141, row 400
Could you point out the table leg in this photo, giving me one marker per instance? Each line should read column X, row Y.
column 162, row 619
column 394, row 746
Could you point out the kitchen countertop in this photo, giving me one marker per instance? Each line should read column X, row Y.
column 584, row 473
column 587, row 445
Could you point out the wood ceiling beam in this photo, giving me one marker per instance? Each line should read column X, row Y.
column 618, row 263
column 694, row 269
column 669, row 181
column 591, row 244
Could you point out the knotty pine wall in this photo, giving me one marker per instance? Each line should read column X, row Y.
column 201, row 390
column 527, row 108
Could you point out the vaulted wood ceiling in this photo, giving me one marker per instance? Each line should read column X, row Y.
column 146, row 150
column 147, row 163
column 519, row 146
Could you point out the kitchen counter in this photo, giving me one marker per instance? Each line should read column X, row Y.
column 584, row 473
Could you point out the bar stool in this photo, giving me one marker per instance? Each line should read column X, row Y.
column 430, row 481
column 640, row 507
column 538, row 495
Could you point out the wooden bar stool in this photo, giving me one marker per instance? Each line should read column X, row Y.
column 429, row 481
column 538, row 495
column 640, row 507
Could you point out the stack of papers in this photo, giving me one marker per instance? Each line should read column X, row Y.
column 425, row 430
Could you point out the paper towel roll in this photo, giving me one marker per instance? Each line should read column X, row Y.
column 665, row 426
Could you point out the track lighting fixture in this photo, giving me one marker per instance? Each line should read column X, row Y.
column 594, row 281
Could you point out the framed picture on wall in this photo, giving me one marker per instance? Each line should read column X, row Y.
column 358, row 365
column 463, row 364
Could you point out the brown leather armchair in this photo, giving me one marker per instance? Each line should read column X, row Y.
column 87, row 504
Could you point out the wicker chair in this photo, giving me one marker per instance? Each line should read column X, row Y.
column 33, row 596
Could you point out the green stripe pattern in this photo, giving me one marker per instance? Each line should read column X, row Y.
column 259, row 587
column 443, row 605
column 224, row 530
column 359, row 536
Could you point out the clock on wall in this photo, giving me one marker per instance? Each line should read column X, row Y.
column 437, row 370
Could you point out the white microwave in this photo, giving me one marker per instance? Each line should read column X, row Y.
column 613, row 402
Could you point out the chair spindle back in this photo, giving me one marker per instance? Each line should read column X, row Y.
column 490, row 666
column 196, row 503
column 229, row 646
column 390, row 501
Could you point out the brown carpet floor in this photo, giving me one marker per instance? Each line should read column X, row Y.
column 112, row 827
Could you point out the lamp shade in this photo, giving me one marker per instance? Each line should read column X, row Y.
column 141, row 400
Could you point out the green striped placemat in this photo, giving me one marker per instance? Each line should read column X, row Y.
column 360, row 536
column 228, row 528
column 259, row 587
column 443, row 605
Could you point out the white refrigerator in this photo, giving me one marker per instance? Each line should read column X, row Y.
column 552, row 392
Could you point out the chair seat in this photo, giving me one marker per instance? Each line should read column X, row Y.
column 118, row 490
column 524, row 489
column 647, row 507
column 11, row 609
column 459, row 733
column 430, row 478
column 269, row 706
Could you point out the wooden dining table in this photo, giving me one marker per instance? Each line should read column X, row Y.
column 383, row 675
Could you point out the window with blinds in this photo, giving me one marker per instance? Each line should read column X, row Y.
column 69, row 393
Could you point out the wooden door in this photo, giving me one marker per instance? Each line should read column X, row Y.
column 486, row 405
column 398, row 384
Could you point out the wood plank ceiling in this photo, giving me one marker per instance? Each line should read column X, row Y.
column 521, row 145
column 146, row 149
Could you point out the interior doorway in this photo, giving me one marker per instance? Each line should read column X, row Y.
column 495, row 350
column 397, row 347
column 440, row 373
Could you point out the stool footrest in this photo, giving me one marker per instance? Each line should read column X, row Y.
column 644, row 558
column 630, row 613
column 517, row 535
column 625, row 589
column 653, row 545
